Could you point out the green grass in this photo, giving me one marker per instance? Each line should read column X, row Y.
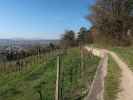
column 126, row 53
column 23, row 85
column 73, row 88
column 112, row 81
column 20, row 86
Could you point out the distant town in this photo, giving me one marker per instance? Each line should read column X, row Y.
column 23, row 47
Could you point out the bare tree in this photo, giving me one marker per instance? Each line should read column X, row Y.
column 113, row 18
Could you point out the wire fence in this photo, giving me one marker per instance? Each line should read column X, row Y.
column 20, row 65
column 72, row 73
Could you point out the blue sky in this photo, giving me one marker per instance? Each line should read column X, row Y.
column 44, row 19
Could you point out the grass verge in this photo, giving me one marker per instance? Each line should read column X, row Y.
column 112, row 81
column 126, row 53
column 74, row 83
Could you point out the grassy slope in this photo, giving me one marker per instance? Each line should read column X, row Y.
column 112, row 81
column 74, row 89
column 126, row 53
column 20, row 86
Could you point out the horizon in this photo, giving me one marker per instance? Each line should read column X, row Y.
column 42, row 19
column 32, row 39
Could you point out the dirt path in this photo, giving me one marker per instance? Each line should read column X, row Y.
column 126, row 84
column 96, row 91
column 126, row 79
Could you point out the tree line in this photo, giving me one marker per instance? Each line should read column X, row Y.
column 113, row 20
column 71, row 38
column 112, row 23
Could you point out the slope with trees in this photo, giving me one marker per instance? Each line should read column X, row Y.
column 113, row 20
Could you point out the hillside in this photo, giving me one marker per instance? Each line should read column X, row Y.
column 26, row 84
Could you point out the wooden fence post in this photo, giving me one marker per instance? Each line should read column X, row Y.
column 57, row 91
column 82, row 62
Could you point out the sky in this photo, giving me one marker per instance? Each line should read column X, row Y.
column 42, row 19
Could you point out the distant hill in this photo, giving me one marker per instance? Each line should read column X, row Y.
column 26, row 42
